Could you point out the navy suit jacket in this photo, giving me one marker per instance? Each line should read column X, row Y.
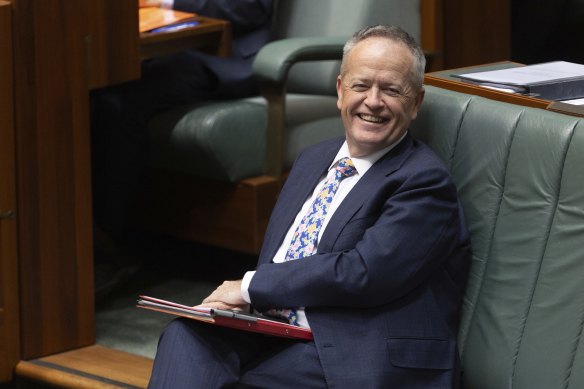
column 383, row 293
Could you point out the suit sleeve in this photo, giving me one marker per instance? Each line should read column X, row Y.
column 244, row 15
column 382, row 254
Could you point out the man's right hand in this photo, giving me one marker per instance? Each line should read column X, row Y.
column 227, row 296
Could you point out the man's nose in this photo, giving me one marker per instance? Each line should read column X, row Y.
column 373, row 97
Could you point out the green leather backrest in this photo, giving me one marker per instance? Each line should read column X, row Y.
column 520, row 174
column 306, row 18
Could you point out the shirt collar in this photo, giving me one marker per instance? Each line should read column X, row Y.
column 362, row 164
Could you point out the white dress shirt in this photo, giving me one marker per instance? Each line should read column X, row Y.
column 361, row 165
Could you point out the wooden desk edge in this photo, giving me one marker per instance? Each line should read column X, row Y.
column 154, row 44
column 206, row 25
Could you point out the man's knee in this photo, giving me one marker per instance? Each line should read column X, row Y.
column 179, row 328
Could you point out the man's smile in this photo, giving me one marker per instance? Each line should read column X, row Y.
column 372, row 118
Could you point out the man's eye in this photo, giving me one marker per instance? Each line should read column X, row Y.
column 392, row 92
column 359, row 87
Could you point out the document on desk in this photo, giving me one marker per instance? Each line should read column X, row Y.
column 574, row 101
column 558, row 80
column 227, row 318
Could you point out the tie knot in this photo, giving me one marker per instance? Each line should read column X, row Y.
column 346, row 168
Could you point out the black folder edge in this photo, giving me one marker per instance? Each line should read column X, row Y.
column 227, row 318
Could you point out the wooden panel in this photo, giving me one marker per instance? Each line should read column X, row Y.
column 91, row 367
column 232, row 216
column 113, row 42
column 432, row 33
column 476, row 32
column 9, row 344
column 53, row 176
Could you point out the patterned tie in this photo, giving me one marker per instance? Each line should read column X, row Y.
column 304, row 240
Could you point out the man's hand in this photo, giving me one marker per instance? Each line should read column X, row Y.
column 227, row 296
column 149, row 3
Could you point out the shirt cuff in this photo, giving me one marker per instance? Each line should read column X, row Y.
column 245, row 285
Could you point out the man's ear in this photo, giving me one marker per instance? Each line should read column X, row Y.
column 418, row 102
column 339, row 91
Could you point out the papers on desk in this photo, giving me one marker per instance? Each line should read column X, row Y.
column 557, row 80
column 227, row 318
column 574, row 101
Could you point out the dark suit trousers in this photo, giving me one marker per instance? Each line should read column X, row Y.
column 198, row 355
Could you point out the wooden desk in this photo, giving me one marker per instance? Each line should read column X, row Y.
column 445, row 79
column 115, row 48
column 211, row 35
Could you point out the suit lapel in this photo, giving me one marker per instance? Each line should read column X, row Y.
column 366, row 186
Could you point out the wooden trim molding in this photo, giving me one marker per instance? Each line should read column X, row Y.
column 9, row 311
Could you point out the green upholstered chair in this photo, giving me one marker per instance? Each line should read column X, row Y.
column 520, row 175
column 216, row 167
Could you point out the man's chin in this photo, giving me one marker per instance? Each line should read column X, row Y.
column 366, row 146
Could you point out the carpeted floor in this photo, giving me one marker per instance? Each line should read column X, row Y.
column 174, row 270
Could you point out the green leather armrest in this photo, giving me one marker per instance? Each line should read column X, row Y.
column 274, row 60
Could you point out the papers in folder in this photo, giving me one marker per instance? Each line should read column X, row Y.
column 557, row 80
column 227, row 318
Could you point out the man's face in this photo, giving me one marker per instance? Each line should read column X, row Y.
column 375, row 95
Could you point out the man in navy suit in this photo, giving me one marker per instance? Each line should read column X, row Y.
column 383, row 290
column 120, row 114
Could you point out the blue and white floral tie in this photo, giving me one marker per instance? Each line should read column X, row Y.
column 304, row 240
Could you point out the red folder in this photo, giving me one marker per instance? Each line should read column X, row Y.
column 227, row 318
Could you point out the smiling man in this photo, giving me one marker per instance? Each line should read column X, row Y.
column 379, row 98
column 366, row 246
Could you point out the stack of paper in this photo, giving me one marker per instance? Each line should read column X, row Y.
column 557, row 80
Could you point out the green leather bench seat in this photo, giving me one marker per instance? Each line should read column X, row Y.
column 520, row 174
column 226, row 140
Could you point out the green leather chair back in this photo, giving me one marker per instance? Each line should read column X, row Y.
column 520, row 174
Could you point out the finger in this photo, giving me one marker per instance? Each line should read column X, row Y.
column 220, row 305
column 211, row 298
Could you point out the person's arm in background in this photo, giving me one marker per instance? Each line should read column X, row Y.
column 154, row 3
column 244, row 15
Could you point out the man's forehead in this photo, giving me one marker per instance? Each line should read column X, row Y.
column 395, row 69
column 383, row 50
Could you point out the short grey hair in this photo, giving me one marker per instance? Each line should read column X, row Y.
column 395, row 34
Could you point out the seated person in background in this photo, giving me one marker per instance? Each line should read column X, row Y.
column 120, row 115
column 377, row 270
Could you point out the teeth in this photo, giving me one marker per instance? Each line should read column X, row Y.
column 371, row 118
